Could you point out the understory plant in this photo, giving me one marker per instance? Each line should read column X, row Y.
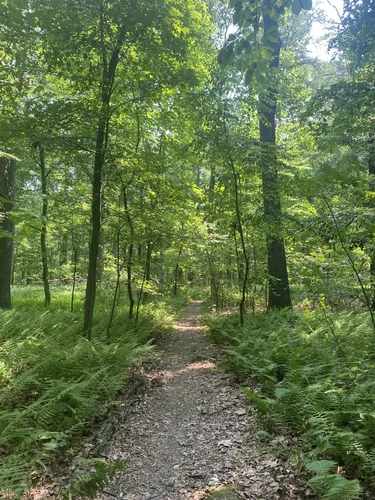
column 316, row 374
column 54, row 383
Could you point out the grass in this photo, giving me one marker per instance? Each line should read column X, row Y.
column 316, row 374
column 54, row 383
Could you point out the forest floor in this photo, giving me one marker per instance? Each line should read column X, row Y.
column 193, row 435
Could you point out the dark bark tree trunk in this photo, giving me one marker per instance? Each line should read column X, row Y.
column 176, row 272
column 43, row 235
column 279, row 292
column 64, row 249
column 214, row 283
column 129, row 283
column 7, row 182
column 130, row 252
column 161, row 262
column 75, row 258
column 243, row 284
column 118, row 278
column 95, row 227
column 63, row 258
column 101, row 257
column 109, row 72
column 371, row 171
column 146, row 294
column 101, row 253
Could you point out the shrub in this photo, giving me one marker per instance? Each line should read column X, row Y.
column 316, row 373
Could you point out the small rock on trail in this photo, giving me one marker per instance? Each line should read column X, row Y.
column 194, row 432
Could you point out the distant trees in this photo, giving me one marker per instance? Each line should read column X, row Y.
column 156, row 168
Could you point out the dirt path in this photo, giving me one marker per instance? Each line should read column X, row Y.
column 192, row 430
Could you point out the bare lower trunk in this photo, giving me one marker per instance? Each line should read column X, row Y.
column 146, row 294
column 243, row 284
column 63, row 259
column 75, row 256
column 129, row 283
column 118, row 278
column 43, row 235
column 95, row 230
column 130, row 251
column 7, row 182
column 176, row 272
column 108, row 77
column 371, row 171
column 161, row 261
column 279, row 292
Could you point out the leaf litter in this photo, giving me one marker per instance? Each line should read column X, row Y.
column 194, row 434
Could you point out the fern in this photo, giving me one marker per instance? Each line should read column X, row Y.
column 321, row 467
column 262, row 404
column 309, row 388
column 55, row 383
column 91, row 476
column 335, row 487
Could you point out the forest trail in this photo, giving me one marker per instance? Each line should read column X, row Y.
column 193, row 429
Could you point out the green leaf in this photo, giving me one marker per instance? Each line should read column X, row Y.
column 321, row 467
column 238, row 17
column 266, row 53
column 306, row 4
column 296, row 7
column 261, row 66
column 249, row 76
column 225, row 54
column 274, row 15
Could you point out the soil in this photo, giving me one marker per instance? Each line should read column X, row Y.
column 193, row 435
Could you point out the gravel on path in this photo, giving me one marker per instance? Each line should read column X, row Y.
column 194, row 434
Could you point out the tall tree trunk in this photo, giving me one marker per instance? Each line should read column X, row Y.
column 129, row 282
column 118, row 278
column 279, row 292
column 161, row 263
column 43, row 234
column 371, row 171
column 7, row 182
column 75, row 258
column 146, row 294
column 109, row 72
column 64, row 249
column 130, row 251
column 101, row 253
column 95, row 227
column 243, row 285
column 176, row 269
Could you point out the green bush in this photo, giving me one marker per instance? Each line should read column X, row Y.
column 54, row 383
column 316, row 374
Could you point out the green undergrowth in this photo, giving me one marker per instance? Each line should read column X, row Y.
column 316, row 374
column 54, row 383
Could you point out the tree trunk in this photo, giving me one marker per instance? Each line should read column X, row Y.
column 243, row 284
column 176, row 269
column 129, row 283
column 43, row 234
column 95, row 228
column 279, row 292
column 371, row 171
column 64, row 249
column 109, row 72
column 118, row 278
column 130, row 251
column 7, row 182
column 161, row 263
column 101, row 253
column 75, row 258
column 146, row 294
